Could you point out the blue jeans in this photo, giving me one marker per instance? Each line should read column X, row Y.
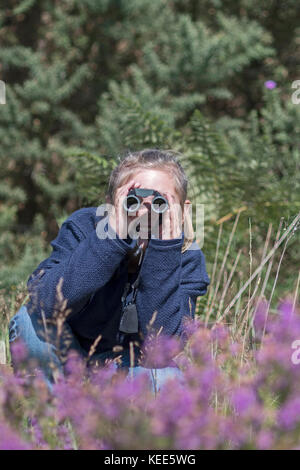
column 43, row 353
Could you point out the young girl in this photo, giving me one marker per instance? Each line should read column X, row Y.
column 102, row 275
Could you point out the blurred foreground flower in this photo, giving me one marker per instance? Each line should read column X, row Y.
column 232, row 396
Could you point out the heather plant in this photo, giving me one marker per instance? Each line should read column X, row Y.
column 9, row 305
column 86, row 81
column 238, row 390
column 229, row 396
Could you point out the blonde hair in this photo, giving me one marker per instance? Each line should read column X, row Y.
column 159, row 159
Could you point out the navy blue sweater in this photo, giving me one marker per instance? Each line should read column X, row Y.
column 94, row 273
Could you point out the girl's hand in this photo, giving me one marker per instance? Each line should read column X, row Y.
column 118, row 216
column 171, row 219
column 172, row 222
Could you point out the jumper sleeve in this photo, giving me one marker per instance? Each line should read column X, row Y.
column 85, row 262
column 169, row 279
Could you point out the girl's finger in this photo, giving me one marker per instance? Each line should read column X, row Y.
column 123, row 191
column 167, row 218
column 126, row 187
column 174, row 216
column 130, row 185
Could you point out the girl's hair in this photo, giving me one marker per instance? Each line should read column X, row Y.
column 159, row 159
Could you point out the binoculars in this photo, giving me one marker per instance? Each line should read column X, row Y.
column 132, row 202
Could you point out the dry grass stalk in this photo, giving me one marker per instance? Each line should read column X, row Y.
column 296, row 293
column 267, row 275
column 267, row 241
column 2, row 353
column 274, row 283
column 210, row 290
column 291, row 227
column 226, row 287
column 223, row 265
column 93, row 347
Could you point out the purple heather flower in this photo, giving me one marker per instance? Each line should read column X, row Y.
column 243, row 398
column 19, row 351
column 289, row 414
column 160, row 350
column 270, row 84
column 106, row 407
column 235, row 348
column 220, row 334
column 11, row 441
column 64, row 437
column 37, row 433
column 75, row 366
column 264, row 440
column 260, row 319
column 190, row 325
column 286, row 310
column 200, row 346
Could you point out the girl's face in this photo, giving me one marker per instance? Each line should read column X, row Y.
column 160, row 180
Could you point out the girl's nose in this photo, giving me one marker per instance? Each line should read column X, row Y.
column 143, row 211
column 145, row 205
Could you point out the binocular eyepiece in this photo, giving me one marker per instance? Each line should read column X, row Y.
column 132, row 202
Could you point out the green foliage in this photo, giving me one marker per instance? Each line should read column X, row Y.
column 268, row 145
column 91, row 174
column 87, row 80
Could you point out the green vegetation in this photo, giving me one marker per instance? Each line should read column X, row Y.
column 87, row 80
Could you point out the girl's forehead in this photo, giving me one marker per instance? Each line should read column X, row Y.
column 155, row 177
column 160, row 179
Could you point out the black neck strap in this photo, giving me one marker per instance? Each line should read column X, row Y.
column 135, row 284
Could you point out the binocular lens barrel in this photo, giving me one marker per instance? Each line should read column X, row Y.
column 132, row 203
column 159, row 204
